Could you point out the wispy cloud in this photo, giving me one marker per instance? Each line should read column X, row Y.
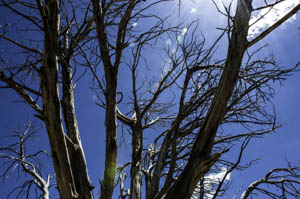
column 213, row 179
column 265, row 18
column 216, row 177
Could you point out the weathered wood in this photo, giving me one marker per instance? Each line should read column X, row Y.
column 136, row 166
column 51, row 101
column 111, row 149
column 75, row 150
column 111, row 79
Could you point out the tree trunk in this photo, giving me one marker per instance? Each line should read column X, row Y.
column 111, row 80
column 200, row 160
column 77, row 157
column 111, row 151
column 153, row 188
column 51, row 102
column 136, row 166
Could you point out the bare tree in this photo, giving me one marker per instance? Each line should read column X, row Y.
column 183, row 108
column 16, row 155
column 284, row 179
column 43, row 65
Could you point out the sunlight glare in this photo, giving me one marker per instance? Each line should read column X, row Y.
column 134, row 24
column 193, row 10
column 183, row 32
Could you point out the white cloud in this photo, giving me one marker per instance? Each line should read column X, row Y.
column 271, row 17
column 212, row 179
column 216, row 177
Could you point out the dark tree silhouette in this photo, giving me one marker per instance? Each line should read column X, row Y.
column 195, row 94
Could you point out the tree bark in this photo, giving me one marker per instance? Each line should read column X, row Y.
column 111, row 80
column 77, row 156
column 136, row 166
column 51, row 101
column 111, row 149
column 200, row 160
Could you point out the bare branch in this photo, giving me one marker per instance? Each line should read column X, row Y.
column 274, row 26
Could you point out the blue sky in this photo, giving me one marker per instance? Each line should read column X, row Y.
column 283, row 43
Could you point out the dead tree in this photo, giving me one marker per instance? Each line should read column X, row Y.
column 44, row 64
column 184, row 108
column 286, row 180
column 15, row 155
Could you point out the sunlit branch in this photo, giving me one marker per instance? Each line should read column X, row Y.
column 274, row 26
